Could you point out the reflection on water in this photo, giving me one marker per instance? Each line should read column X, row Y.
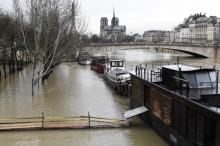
column 73, row 90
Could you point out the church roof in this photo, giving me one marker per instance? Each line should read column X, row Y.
column 114, row 28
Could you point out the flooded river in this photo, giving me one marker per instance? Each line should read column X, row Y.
column 75, row 90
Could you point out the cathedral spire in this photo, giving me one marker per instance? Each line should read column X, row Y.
column 115, row 20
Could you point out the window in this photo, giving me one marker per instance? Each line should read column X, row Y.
column 120, row 64
column 191, row 78
column 113, row 64
column 203, row 79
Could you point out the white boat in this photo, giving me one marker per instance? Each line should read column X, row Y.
column 85, row 62
column 84, row 58
column 116, row 74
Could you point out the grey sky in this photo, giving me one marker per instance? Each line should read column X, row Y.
column 141, row 15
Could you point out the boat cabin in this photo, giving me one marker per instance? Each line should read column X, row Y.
column 99, row 59
column 197, row 77
column 116, row 63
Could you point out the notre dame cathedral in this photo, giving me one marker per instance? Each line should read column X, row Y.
column 113, row 32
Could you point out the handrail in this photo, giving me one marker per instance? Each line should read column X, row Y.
column 181, row 79
column 180, row 85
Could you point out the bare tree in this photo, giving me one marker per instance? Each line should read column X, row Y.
column 53, row 33
column 10, row 44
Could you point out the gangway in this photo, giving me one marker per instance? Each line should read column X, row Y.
column 50, row 123
column 134, row 112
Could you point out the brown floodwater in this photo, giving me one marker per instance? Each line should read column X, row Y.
column 75, row 90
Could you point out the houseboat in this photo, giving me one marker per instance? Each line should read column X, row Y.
column 84, row 58
column 183, row 103
column 98, row 63
column 117, row 76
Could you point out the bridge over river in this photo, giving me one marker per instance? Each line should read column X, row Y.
column 195, row 50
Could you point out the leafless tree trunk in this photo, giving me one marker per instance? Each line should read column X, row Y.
column 55, row 29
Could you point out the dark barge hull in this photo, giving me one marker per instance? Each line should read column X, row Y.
column 99, row 68
column 123, row 89
column 181, row 122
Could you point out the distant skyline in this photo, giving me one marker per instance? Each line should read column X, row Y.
column 140, row 15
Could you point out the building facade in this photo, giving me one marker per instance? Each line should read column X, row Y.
column 113, row 32
column 156, row 36
column 198, row 29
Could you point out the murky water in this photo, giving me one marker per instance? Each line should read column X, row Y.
column 73, row 90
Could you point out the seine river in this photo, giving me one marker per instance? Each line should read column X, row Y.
column 73, row 90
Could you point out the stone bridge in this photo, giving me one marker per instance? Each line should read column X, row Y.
column 195, row 50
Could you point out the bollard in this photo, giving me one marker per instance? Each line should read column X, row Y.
column 217, row 79
column 136, row 70
column 141, row 72
column 187, row 90
column 89, row 120
column 144, row 73
column 43, row 117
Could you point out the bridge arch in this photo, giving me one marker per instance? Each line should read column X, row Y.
column 197, row 51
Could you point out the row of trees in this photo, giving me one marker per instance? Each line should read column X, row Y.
column 47, row 32
column 96, row 39
column 11, row 46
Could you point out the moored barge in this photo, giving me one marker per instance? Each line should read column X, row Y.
column 183, row 103
column 118, row 77
column 84, row 58
column 99, row 63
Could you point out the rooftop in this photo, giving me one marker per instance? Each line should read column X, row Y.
column 177, row 67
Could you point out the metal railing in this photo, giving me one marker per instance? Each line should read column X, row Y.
column 182, row 85
column 153, row 74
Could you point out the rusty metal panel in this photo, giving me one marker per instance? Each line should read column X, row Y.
column 160, row 105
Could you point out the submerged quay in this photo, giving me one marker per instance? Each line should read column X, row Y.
column 75, row 90
column 109, row 73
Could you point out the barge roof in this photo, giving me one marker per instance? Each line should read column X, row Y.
column 177, row 67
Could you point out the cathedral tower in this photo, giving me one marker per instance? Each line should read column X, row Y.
column 103, row 23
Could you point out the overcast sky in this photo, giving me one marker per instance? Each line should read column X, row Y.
column 141, row 15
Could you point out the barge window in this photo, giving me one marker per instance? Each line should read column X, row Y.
column 212, row 75
column 203, row 79
column 191, row 77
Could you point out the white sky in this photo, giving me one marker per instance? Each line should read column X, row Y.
column 141, row 15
